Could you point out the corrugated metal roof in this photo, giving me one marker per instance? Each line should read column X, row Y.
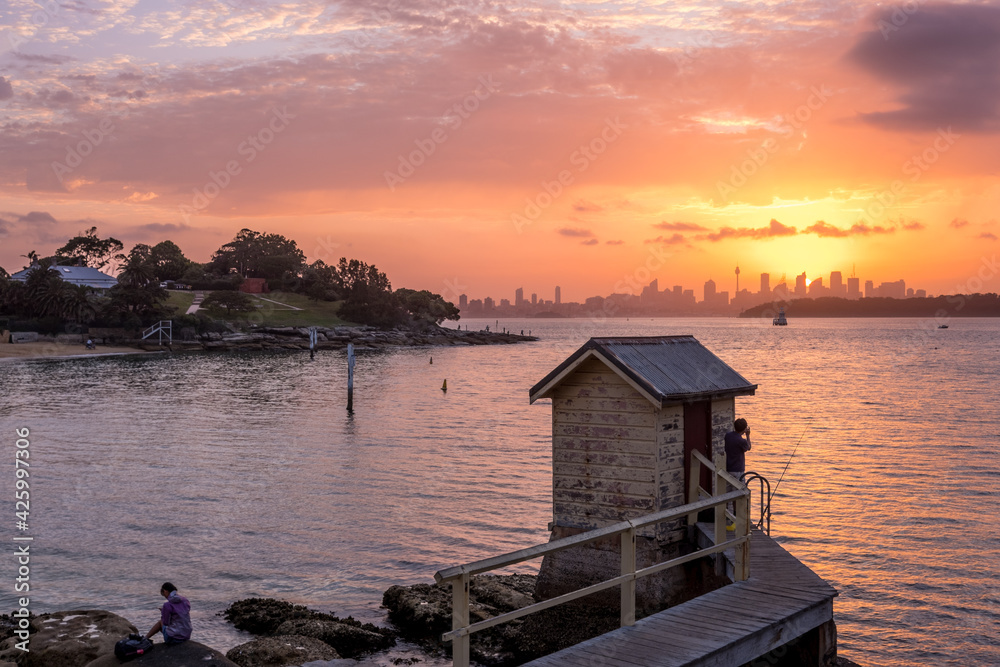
column 76, row 275
column 666, row 367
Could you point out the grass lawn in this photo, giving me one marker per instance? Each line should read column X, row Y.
column 180, row 299
column 312, row 313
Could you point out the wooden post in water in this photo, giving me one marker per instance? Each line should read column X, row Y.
column 350, row 377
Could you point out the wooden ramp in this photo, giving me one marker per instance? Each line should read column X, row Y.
column 783, row 599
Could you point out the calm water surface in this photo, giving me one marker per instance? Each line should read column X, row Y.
column 237, row 475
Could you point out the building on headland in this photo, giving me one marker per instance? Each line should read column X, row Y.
column 86, row 276
column 558, row 295
column 519, row 297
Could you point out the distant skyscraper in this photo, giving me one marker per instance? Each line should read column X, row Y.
column 463, row 300
column 869, row 289
column 737, row 279
column 709, row 291
column 800, row 284
column 519, row 296
column 558, row 295
column 765, row 284
column 837, row 284
column 853, row 288
column 534, row 299
column 488, row 303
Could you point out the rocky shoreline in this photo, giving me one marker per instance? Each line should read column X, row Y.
column 290, row 635
column 297, row 338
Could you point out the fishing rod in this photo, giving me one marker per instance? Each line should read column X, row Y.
column 786, row 466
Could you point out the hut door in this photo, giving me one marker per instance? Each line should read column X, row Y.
column 697, row 435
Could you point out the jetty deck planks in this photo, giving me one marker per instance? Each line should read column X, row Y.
column 781, row 600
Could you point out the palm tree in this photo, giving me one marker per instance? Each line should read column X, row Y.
column 76, row 304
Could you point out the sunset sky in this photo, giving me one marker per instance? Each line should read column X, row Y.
column 478, row 147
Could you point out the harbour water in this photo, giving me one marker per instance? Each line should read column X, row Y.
column 238, row 475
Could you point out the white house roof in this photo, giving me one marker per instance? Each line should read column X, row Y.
column 76, row 275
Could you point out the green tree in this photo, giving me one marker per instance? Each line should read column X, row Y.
column 426, row 307
column 139, row 270
column 77, row 304
column 228, row 300
column 257, row 255
column 319, row 281
column 88, row 249
column 137, row 293
column 168, row 261
column 368, row 297
column 42, row 291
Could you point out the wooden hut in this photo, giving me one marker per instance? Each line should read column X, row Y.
column 626, row 415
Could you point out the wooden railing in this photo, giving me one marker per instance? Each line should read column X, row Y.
column 460, row 576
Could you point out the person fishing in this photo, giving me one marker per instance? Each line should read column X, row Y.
column 737, row 445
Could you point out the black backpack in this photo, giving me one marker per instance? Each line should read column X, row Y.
column 132, row 647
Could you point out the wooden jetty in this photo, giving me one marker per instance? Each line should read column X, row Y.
column 782, row 611
column 641, row 502
column 776, row 607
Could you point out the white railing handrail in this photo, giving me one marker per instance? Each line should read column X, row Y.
column 724, row 474
column 521, row 555
column 460, row 576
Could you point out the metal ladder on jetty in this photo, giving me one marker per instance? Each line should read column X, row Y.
column 764, row 517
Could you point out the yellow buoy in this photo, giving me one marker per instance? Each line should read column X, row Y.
column 444, row 386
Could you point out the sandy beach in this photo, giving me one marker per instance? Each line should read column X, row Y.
column 48, row 350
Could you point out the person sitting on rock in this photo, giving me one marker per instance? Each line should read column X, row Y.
column 175, row 617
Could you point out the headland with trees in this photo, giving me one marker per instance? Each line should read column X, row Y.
column 157, row 282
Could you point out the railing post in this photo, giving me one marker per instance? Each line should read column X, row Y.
column 718, row 488
column 628, row 587
column 695, row 482
column 460, row 619
column 741, row 569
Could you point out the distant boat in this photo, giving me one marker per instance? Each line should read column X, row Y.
column 780, row 320
column 942, row 326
